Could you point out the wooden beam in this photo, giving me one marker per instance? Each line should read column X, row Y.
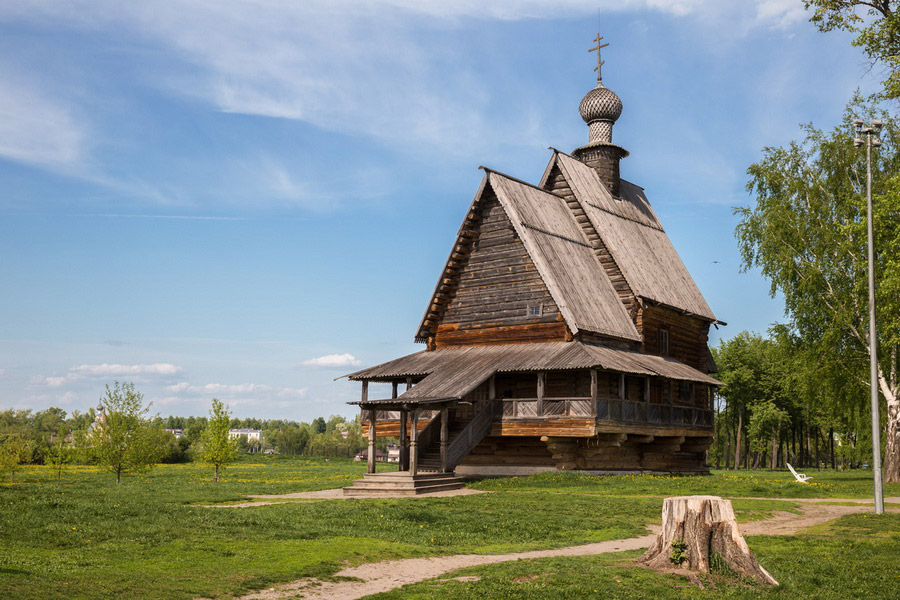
column 646, row 389
column 408, row 383
column 393, row 389
column 445, row 430
column 492, row 388
column 594, row 392
column 365, row 391
column 621, row 386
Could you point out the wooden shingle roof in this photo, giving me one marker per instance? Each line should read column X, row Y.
column 635, row 238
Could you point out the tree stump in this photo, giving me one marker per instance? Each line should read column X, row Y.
column 695, row 530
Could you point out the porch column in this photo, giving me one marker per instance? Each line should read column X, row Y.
column 622, row 391
column 372, row 417
column 408, row 383
column 541, row 379
column 445, row 415
column 594, row 394
column 413, row 443
column 404, row 441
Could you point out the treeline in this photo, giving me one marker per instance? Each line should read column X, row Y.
column 782, row 403
column 41, row 437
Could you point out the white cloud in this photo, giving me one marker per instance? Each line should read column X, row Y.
column 780, row 14
column 332, row 361
column 236, row 391
column 113, row 370
column 323, row 62
column 36, row 128
column 98, row 372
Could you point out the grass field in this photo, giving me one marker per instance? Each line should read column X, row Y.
column 150, row 538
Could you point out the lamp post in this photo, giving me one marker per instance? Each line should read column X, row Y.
column 871, row 140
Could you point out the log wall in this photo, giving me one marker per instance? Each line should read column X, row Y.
column 688, row 336
column 496, row 284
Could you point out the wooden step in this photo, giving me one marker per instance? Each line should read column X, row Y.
column 402, row 483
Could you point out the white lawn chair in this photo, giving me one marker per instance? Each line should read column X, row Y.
column 800, row 477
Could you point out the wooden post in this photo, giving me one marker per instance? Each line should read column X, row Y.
column 541, row 378
column 413, row 442
column 492, row 388
column 595, row 397
column 365, row 391
column 393, row 389
column 404, row 442
column 408, row 383
column 622, row 392
column 647, row 390
column 372, row 418
column 445, row 415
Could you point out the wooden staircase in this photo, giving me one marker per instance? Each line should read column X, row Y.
column 430, row 458
column 462, row 437
column 402, row 483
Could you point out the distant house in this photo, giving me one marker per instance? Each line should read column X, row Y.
column 252, row 435
column 379, row 456
column 176, row 432
column 393, row 453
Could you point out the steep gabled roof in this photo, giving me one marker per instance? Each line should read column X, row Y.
column 635, row 238
column 560, row 252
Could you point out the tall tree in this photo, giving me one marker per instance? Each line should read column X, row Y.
column 876, row 24
column 807, row 234
column 219, row 448
column 123, row 440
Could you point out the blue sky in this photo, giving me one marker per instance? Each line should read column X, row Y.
column 244, row 200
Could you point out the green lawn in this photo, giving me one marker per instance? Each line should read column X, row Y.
column 149, row 538
column 753, row 484
column 856, row 557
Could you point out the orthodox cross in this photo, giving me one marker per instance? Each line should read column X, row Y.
column 600, row 62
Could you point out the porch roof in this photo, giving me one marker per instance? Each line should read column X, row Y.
column 453, row 373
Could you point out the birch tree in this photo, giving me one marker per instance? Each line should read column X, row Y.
column 806, row 232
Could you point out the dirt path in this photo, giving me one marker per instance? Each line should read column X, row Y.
column 335, row 494
column 373, row 578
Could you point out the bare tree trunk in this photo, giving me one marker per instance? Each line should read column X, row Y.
column 737, row 443
column 831, row 445
column 889, row 389
column 698, row 530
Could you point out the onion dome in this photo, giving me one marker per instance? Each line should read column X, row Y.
column 600, row 104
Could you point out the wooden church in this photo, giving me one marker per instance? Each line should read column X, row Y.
column 564, row 332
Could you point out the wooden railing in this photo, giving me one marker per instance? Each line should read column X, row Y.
column 628, row 411
column 473, row 433
column 608, row 409
column 530, row 408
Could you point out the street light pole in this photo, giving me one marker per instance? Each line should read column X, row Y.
column 871, row 134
